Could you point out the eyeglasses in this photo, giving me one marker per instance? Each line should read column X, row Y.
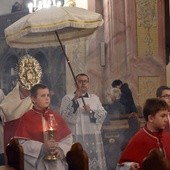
column 83, row 81
column 166, row 96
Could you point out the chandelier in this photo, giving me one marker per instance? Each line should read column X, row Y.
column 39, row 4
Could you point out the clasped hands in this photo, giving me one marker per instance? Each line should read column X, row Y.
column 52, row 147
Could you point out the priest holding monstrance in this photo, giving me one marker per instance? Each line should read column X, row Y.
column 14, row 106
column 18, row 101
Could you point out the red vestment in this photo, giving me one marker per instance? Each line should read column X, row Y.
column 31, row 126
column 9, row 130
column 142, row 143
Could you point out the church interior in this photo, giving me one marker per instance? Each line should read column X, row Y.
column 132, row 45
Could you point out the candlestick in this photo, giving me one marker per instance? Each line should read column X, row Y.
column 50, row 156
column 51, row 132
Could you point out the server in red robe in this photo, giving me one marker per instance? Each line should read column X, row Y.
column 33, row 133
column 152, row 136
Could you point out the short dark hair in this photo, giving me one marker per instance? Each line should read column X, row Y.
column 160, row 90
column 154, row 105
column 116, row 83
column 82, row 74
column 35, row 88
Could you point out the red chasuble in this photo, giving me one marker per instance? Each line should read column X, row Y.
column 142, row 143
column 31, row 126
column 9, row 130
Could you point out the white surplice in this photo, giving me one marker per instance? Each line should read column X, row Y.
column 34, row 155
column 85, row 131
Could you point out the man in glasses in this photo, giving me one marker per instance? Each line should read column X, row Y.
column 85, row 117
column 164, row 93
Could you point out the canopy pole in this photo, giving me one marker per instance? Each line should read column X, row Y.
column 69, row 64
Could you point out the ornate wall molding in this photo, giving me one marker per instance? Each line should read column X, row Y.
column 147, row 27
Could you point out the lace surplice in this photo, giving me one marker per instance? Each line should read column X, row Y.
column 85, row 130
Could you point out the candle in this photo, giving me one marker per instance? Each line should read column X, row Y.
column 34, row 3
column 54, row 3
column 40, row 5
column 50, row 128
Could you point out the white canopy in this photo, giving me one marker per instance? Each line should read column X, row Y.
column 39, row 29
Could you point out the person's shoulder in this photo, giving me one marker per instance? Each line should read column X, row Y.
column 28, row 113
column 69, row 95
column 138, row 135
column 92, row 95
column 136, row 140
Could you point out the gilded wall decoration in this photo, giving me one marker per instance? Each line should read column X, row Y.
column 147, row 87
column 147, row 27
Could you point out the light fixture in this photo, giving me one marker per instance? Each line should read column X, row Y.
column 35, row 5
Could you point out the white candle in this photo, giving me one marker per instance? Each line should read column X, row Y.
column 40, row 5
column 54, row 3
column 34, row 3
column 44, row 3
column 30, row 7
